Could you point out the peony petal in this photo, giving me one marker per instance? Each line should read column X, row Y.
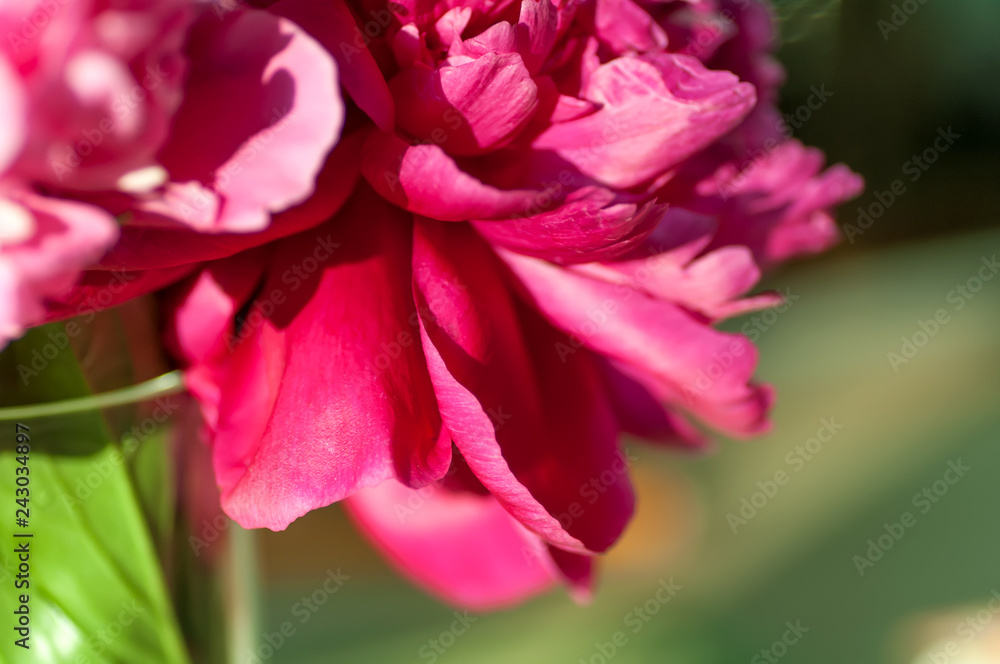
column 49, row 242
column 779, row 205
column 589, row 226
column 146, row 243
column 12, row 116
column 641, row 414
column 657, row 111
column 664, row 347
column 331, row 24
column 200, row 316
column 463, row 547
column 513, row 408
column 540, row 20
column 477, row 106
column 426, row 181
column 667, row 266
column 329, row 393
column 97, row 290
column 626, row 27
column 262, row 155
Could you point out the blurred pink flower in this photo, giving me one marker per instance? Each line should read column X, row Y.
column 516, row 251
column 126, row 110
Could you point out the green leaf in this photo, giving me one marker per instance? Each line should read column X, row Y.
column 97, row 592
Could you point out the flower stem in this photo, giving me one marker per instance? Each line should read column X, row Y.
column 169, row 383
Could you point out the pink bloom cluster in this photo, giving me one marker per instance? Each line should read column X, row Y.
column 429, row 257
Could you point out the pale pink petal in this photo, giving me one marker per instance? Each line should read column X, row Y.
column 150, row 241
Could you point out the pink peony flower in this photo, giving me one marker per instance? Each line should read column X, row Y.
column 515, row 253
column 126, row 110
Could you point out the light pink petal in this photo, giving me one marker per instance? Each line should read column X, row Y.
column 261, row 155
column 426, row 181
column 463, row 547
column 476, row 106
column 331, row 23
column 664, row 347
column 514, row 408
column 657, row 111
column 329, row 392
column 45, row 243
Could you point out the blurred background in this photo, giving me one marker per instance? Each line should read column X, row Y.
column 798, row 580
column 864, row 530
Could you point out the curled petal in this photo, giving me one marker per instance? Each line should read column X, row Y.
column 510, row 403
